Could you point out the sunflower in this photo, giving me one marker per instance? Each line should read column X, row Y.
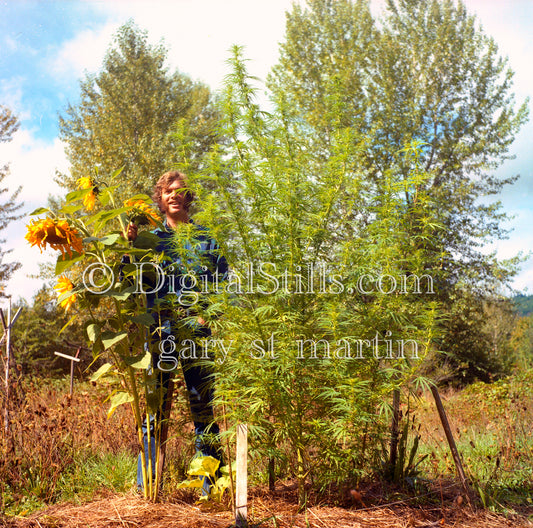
column 142, row 212
column 89, row 200
column 65, row 285
column 57, row 233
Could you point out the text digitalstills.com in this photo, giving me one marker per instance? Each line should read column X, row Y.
column 262, row 278
column 188, row 285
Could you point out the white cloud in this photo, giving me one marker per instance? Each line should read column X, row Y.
column 11, row 94
column 85, row 52
column 33, row 164
column 199, row 34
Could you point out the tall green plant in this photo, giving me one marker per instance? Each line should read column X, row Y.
column 91, row 253
column 296, row 358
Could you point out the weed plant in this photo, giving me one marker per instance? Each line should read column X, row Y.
column 280, row 206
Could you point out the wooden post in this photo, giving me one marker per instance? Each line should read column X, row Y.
column 394, row 430
column 72, row 372
column 7, row 337
column 72, row 359
column 7, row 328
column 241, row 494
column 451, row 441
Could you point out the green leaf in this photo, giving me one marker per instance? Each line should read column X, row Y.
column 101, row 218
column 40, row 210
column 65, row 295
column 204, row 466
column 224, row 470
column 68, row 323
column 196, row 483
column 143, row 197
column 115, row 174
column 105, row 194
column 69, row 209
column 141, row 361
column 65, row 261
column 117, row 399
column 111, row 338
column 93, row 332
column 77, row 195
column 146, row 240
column 102, row 371
column 120, row 296
column 109, row 240
column 145, row 319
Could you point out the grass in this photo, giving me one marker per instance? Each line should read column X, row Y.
column 491, row 427
column 67, row 450
column 90, row 474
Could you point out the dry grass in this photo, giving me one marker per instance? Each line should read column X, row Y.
column 120, row 511
column 49, row 428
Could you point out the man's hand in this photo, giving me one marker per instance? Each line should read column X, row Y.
column 132, row 232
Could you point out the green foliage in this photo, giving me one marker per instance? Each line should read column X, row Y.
column 127, row 113
column 208, row 469
column 481, row 340
column 8, row 126
column 424, row 73
column 523, row 304
column 90, row 473
column 406, row 465
column 278, row 207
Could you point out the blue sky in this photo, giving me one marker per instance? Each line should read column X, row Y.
column 46, row 46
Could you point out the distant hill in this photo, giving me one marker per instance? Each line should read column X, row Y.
column 523, row 304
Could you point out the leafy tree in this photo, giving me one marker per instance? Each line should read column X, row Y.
column 8, row 126
column 426, row 73
column 522, row 343
column 127, row 112
column 523, row 304
column 479, row 339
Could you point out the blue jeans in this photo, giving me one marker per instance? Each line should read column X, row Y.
column 199, row 382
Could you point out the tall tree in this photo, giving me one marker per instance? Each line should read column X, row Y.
column 426, row 73
column 8, row 126
column 127, row 112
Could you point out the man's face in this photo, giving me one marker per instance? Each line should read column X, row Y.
column 172, row 200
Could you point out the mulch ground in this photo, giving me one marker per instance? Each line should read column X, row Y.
column 265, row 510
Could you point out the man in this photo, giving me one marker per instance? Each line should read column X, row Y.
column 174, row 310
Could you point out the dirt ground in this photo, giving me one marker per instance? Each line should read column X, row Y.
column 265, row 510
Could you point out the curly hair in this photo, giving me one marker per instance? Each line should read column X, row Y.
column 165, row 181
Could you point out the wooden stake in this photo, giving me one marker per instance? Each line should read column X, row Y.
column 72, row 359
column 451, row 441
column 7, row 336
column 241, row 507
column 72, row 372
column 8, row 365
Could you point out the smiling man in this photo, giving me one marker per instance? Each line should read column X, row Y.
column 196, row 255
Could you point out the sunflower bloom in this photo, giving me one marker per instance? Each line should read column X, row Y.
column 65, row 285
column 142, row 212
column 89, row 200
column 57, row 233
